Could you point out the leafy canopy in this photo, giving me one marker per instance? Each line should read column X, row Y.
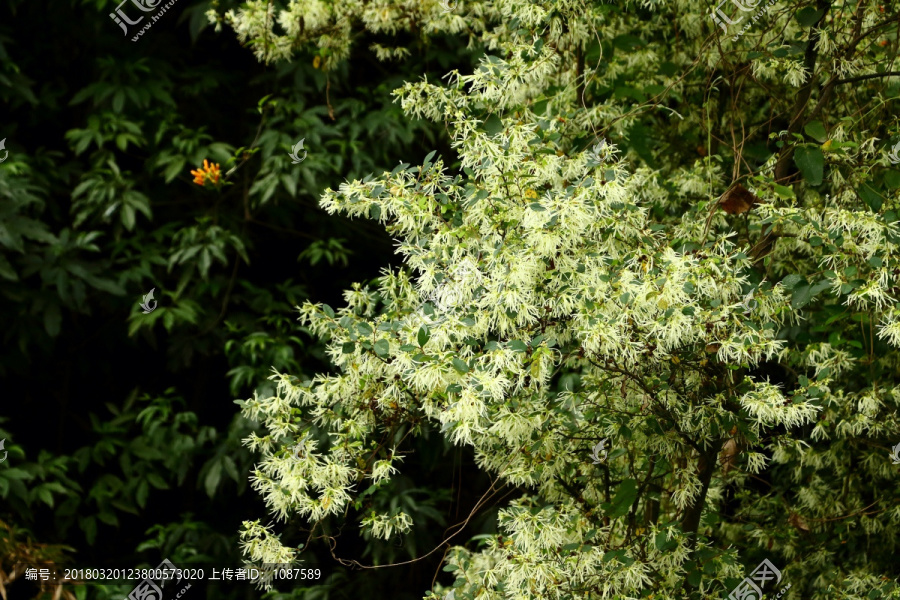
column 558, row 291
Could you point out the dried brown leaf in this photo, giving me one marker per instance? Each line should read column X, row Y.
column 798, row 522
column 729, row 455
column 738, row 200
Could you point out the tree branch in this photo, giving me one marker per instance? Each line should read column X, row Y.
column 870, row 76
column 809, row 64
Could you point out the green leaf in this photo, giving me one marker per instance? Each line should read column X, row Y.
column 89, row 527
column 663, row 544
column 290, row 184
column 106, row 285
column 872, row 198
column 892, row 179
column 628, row 42
column 128, row 217
column 626, row 91
column 329, row 312
column 791, row 281
column 231, row 468
column 108, row 518
column 17, row 473
column 6, row 270
column 460, row 365
column 819, row 287
column 348, row 347
column 212, row 479
column 808, row 15
column 45, row 495
column 52, row 320
column 157, row 481
column 801, row 296
column 816, row 131
column 423, row 336
column 143, row 490
column 811, row 162
column 626, row 494
column 784, row 191
column 493, row 125
column 518, row 346
column 382, row 348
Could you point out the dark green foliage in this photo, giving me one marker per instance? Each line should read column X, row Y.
column 123, row 442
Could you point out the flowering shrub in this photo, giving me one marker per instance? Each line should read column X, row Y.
column 621, row 268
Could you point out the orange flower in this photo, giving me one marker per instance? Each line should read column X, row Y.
column 207, row 173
